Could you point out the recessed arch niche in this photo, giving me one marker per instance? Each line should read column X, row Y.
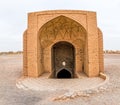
column 63, row 59
column 63, row 31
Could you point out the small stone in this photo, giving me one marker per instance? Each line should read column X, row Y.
column 64, row 98
column 68, row 94
column 102, row 88
column 89, row 92
column 85, row 95
column 79, row 93
column 96, row 90
column 55, row 99
column 73, row 96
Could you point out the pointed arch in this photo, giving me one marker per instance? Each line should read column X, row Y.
column 61, row 27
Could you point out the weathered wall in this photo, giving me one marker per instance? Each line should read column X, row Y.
column 92, row 39
column 25, row 70
column 101, row 54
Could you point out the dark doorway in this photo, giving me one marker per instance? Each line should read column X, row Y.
column 64, row 74
column 63, row 58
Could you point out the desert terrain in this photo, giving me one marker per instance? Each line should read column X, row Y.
column 11, row 71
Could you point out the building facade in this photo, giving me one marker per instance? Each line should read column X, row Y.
column 62, row 43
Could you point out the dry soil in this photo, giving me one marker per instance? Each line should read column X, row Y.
column 11, row 71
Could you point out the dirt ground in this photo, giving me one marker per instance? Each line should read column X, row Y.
column 11, row 71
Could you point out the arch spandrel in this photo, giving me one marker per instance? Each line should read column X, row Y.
column 61, row 28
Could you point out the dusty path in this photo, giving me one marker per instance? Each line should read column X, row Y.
column 10, row 71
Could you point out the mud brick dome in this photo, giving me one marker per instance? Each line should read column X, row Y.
column 62, row 43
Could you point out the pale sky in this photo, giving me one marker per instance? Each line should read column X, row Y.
column 13, row 19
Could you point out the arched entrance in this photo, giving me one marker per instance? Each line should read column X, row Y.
column 64, row 74
column 66, row 32
column 63, row 60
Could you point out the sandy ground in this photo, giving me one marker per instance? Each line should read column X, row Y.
column 11, row 70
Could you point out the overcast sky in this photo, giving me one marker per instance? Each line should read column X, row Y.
column 13, row 19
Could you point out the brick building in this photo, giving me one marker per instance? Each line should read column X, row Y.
column 62, row 43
